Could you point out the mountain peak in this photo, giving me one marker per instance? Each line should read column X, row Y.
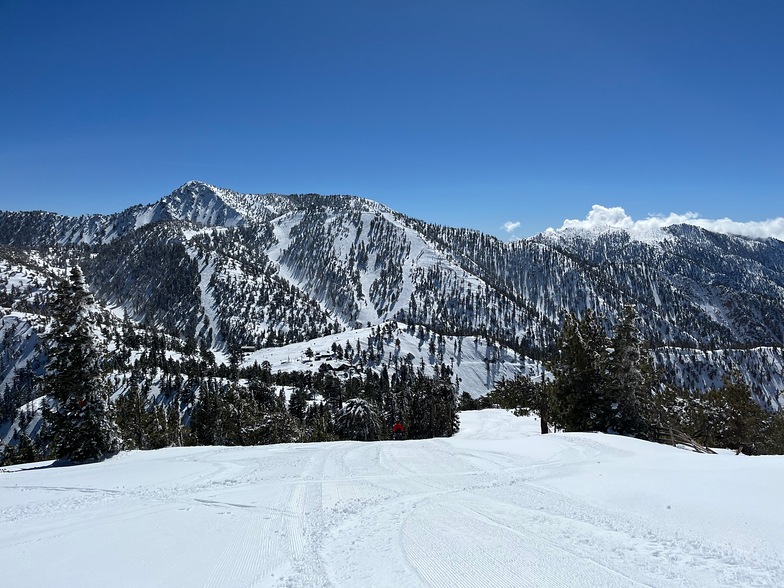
column 196, row 187
column 193, row 183
column 200, row 203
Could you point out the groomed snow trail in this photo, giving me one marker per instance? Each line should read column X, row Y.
column 498, row 505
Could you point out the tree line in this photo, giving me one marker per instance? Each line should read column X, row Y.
column 607, row 383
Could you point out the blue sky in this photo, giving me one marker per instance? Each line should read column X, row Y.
column 465, row 113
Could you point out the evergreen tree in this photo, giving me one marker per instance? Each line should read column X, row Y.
column 234, row 407
column 580, row 399
column 523, row 395
column 739, row 421
column 629, row 380
column 277, row 427
column 245, row 414
column 445, row 420
column 173, row 425
column 79, row 417
column 206, row 428
column 773, row 434
column 298, row 403
column 23, row 451
column 318, row 423
column 133, row 417
column 358, row 420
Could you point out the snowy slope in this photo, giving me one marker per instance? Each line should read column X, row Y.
column 495, row 506
column 477, row 364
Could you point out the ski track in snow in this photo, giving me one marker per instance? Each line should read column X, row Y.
column 496, row 506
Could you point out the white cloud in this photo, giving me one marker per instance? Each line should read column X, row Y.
column 602, row 217
column 773, row 227
column 511, row 226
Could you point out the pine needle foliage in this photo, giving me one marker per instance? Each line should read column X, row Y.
column 79, row 419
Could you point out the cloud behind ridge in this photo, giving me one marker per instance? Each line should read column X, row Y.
column 601, row 217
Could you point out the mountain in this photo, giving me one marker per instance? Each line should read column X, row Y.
column 224, row 270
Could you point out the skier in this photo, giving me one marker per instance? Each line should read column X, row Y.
column 398, row 430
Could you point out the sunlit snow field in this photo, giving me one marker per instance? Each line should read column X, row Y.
column 497, row 505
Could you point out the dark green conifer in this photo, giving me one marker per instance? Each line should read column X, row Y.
column 133, row 416
column 580, row 399
column 630, row 379
column 79, row 417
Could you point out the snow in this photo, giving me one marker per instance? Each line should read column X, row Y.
column 206, row 271
column 282, row 227
column 496, row 505
column 422, row 256
column 644, row 234
column 191, row 233
column 468, row 360
column 19, row 332
column 146, row 216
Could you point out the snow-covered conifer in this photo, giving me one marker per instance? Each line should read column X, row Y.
column 358, row 420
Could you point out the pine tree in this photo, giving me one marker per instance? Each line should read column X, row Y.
column 298, row 403
column 133, row 415
column 740, row 420
column 277, row 427
column 524, row 395
column 174, row 425
column 773, row 434
column 205, row 424
column 79, row 417
column 318, row 425
column 629, row 380
column 23, row 451
column 358, row 420
column 445, row 420
column 580, row 399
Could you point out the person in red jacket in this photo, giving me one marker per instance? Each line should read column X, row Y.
column 398, row 430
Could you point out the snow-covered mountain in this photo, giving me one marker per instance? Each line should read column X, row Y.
column 264, row 270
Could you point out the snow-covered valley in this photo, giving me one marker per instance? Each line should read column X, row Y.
column 496, row 505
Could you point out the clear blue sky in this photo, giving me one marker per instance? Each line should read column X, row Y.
column 466, row 113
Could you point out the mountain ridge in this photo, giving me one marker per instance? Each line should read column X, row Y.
column 266, row 270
